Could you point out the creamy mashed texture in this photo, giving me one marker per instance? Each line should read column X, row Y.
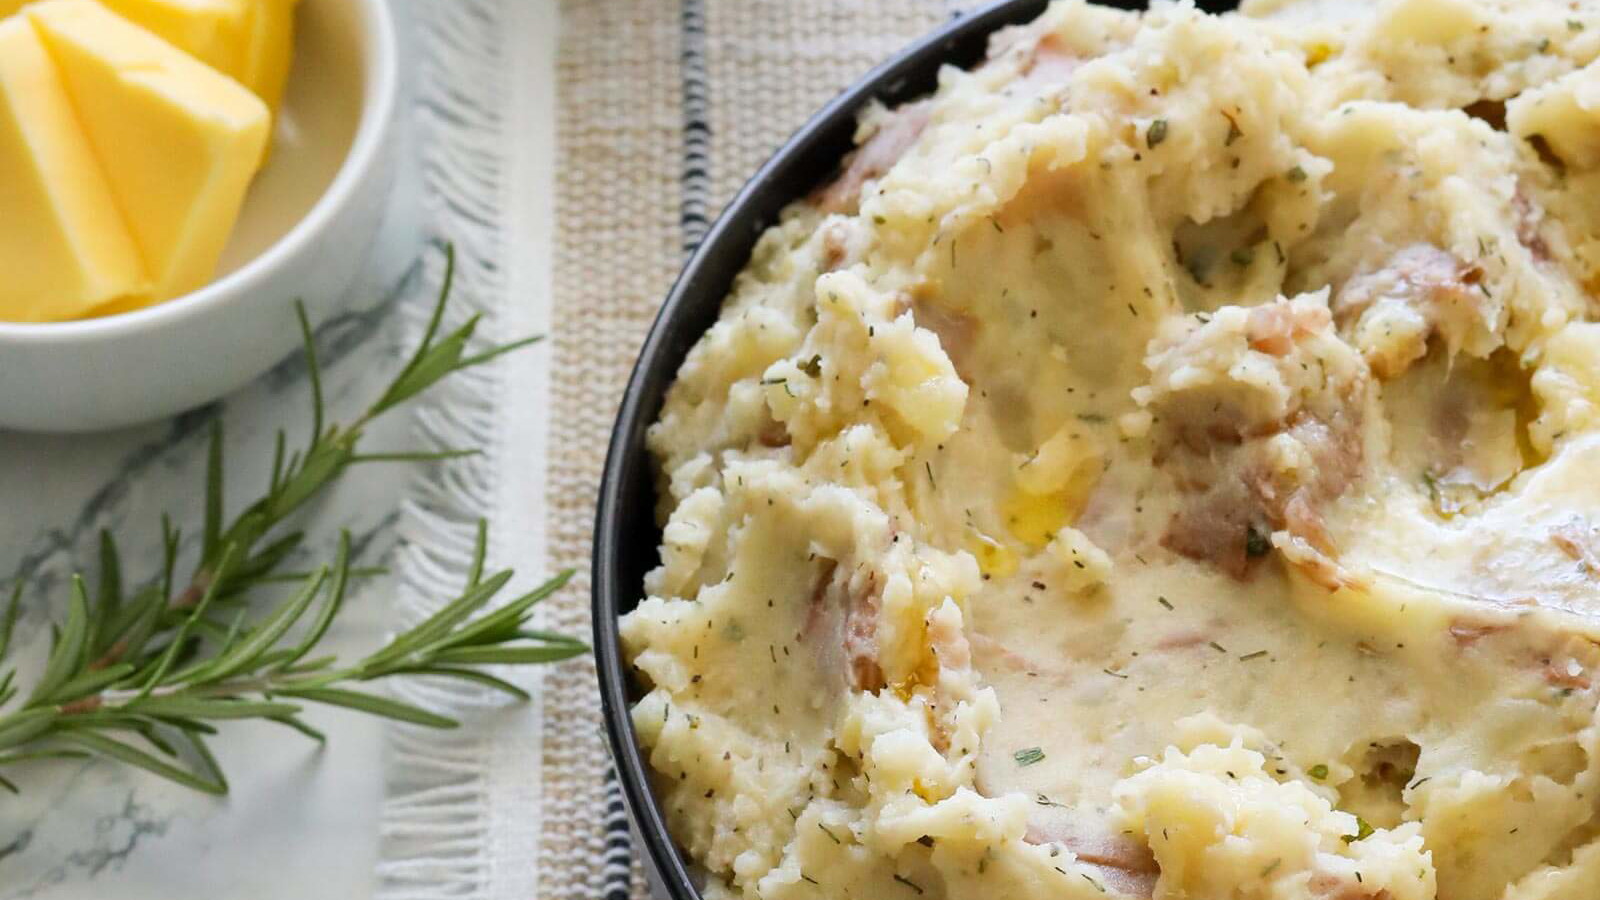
column 1164, row 463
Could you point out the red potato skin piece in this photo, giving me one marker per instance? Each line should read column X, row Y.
column 1466, row 633
column 1049, row 62
column 1528, row 217
column 1124, row 865
column 856, row 615
column 1213, row 526
column 861, row 638
column 992, row 653
column 1274, row 328
column 774, row 434
column 1329, row 887
column 1219, row 458
column 957, row 330
column 835, row 250
column 1429, row 279
column 1556, row 675
column 868, row 162
column 1572, row 539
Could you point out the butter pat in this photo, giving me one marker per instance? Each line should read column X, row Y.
column 250, row 41
column 208, row 30
column 177, row 141
column 63, row 247
column 267, row 49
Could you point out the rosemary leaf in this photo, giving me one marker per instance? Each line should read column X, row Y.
column 164, row 663
column 9, row 623
column 330, row 607
column 472, row 675
column 221, row 708
column 503, row 622
column 133, row 756
column 439, row 624
column 69, row 646
column 484, row 656
column 315, row 371
column 374, row 704
column 247, row 653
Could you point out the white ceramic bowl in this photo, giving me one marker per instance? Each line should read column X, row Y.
column 305, row 231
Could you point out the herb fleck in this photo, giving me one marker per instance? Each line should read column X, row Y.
column 1028, row 756
column 1157, row 133
column 1255, row 543
column 1318, row 771
column 1233, row 129
column 1363, row 831
column 908, row 883
column 1296, row 174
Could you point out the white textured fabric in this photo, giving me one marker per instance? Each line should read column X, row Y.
column 660, row 110
column 461, row 816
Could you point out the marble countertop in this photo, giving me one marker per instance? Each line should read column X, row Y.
column 300, row 821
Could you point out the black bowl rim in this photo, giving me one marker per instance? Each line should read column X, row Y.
column 693, row 303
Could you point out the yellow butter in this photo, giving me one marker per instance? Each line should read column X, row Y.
column 250, row 41
column 267, row 49
column 63, row 247
column 209, row 30
column 123, row 304
column 178, row 142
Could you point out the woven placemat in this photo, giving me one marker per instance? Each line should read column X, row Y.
column 665, row 108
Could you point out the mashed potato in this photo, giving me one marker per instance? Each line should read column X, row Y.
column 1164, row 463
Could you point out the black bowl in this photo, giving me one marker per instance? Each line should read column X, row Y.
column 626, row 536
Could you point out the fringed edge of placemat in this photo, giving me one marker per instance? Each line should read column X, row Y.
column 435, row 814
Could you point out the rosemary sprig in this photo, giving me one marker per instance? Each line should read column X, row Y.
column 144, row 678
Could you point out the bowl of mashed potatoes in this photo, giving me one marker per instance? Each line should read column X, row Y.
column 1161, row 460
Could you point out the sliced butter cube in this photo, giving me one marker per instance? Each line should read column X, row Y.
column 178, row 142
column 209, row 30
column 267, row 49
column 250, row 41
column 63, row 247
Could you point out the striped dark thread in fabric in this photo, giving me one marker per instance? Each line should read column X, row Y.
column 694, row 210
column 616, row 873
column 695, row 221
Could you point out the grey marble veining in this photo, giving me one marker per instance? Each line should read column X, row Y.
column 300, row 821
